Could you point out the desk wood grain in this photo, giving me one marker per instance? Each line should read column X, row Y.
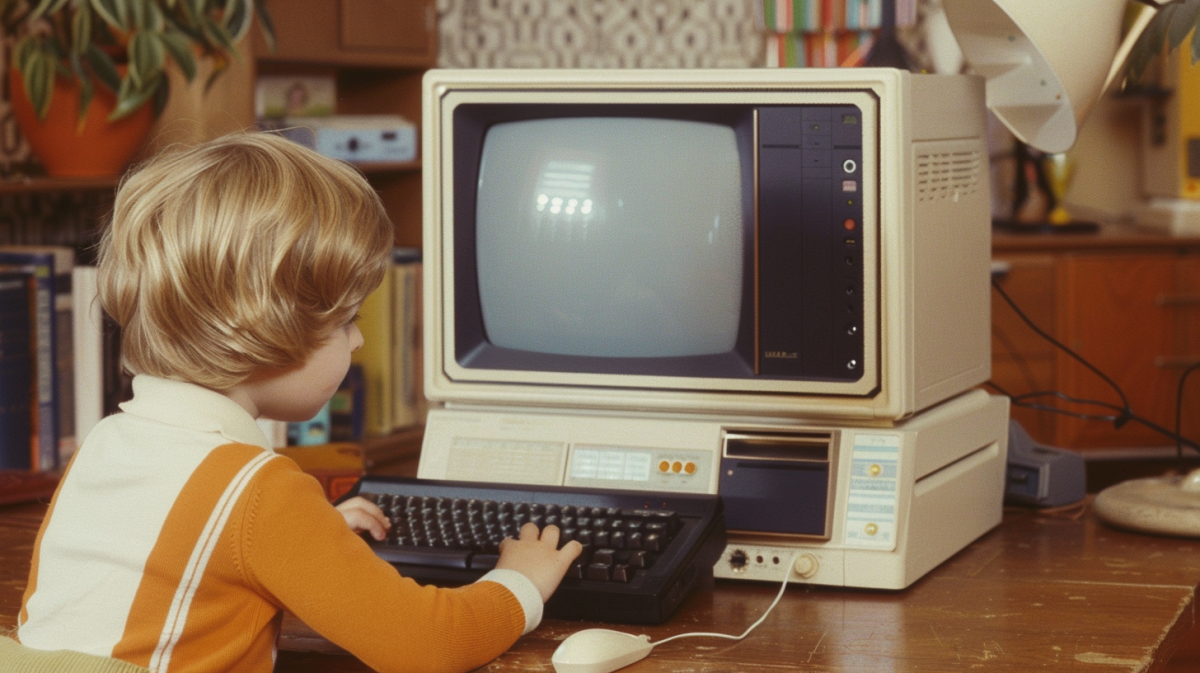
column 1041, row 592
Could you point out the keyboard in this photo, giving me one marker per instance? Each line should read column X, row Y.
column 644, row 553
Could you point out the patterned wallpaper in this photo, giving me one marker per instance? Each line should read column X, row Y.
column 598, row 34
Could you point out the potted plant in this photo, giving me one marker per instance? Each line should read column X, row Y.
column 91, row 74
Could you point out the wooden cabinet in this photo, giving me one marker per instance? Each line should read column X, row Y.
column 377, row 51
column 1127, row 303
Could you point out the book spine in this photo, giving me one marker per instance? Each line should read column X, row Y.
column 44, row 452
column 88, row 336
column 376, row 324
column 16, row 370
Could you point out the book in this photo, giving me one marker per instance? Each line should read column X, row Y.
column 313, row 431
column 408, row 395
column 17, row 353
column 54, row 363
column 376, row 323
column 346, row 408
column 89, row 351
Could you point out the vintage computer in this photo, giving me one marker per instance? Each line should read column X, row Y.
column 768, row 285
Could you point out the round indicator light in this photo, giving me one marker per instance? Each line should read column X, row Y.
column 871, row 529
column 664, row 466
column 875, row 470
column 690, row 468
column 849, row 224
column 676, row 467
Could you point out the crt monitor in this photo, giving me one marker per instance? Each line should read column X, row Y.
column 808, row 243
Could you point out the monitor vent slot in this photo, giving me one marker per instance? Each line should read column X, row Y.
column 948, row 175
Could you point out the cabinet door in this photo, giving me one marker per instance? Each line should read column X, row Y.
column 385, row 33
column 1113, row 314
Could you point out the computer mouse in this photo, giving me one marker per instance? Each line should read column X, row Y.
column 599, row 651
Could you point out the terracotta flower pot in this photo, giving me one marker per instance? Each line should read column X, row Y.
column 97, row 149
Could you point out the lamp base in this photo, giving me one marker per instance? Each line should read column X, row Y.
column 1045, row 228
column 1160, row 505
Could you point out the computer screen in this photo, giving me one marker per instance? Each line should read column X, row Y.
column 610, row 237
column 809, row 242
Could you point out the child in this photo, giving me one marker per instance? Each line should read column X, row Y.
column 177, row 537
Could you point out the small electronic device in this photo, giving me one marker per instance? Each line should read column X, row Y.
column 357, row 138
column 770, row 285
column 1042, row 476
column 643, row 553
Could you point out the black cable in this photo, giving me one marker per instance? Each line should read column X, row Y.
column 1020, row 401
column 1126, row 414
column 1179, row 410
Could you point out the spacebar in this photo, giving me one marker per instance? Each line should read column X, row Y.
column 424, row 556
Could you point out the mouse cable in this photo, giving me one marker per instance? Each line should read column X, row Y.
column 786, row 576
column 1125, row 414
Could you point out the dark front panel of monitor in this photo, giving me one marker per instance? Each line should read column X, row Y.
column 810, row 220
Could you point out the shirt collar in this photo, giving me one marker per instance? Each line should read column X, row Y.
column 194, row 407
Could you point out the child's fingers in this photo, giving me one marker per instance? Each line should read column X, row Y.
column 364, row 515
column 529, row 531
column 550, row 535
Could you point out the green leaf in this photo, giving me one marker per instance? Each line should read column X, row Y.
column 131, row 97
column 238, row 15
column 1183, row 22
column 217, row 33
column 38, row 72
column 162, row 93
column 81, row 30
column 1149, row 44
column 107, row 9
column 180, row 48
column 139, row 14
column 1195, row 47
column 147, row 55
column 86, row 89
column 103, row 67
column 45, row 7
column 265, row 23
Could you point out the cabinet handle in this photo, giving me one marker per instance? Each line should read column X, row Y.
column 1175, row 361
column 1178, row 300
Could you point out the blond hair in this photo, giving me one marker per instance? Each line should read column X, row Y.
column 239, row 254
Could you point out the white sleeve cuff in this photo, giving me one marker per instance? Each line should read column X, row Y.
column 527, row 594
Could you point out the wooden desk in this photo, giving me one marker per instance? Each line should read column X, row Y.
column 1042, row 591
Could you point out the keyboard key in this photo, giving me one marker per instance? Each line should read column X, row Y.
column 598, row 572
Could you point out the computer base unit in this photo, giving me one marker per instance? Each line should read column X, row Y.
column 872, row 504
column 907, row 499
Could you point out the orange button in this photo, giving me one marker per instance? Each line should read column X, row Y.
column 690, row 468
column 664, row 466
column 676, row 466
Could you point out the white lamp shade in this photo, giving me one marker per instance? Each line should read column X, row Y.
column 1046, row 62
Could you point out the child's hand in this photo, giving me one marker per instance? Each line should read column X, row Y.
column 537, row 557
column 363, row 515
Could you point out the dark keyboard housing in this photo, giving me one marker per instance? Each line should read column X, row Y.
column 649, row 597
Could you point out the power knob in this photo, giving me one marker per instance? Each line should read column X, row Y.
column 805, row 565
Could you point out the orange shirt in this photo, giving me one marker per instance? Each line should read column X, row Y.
column 177, row 537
